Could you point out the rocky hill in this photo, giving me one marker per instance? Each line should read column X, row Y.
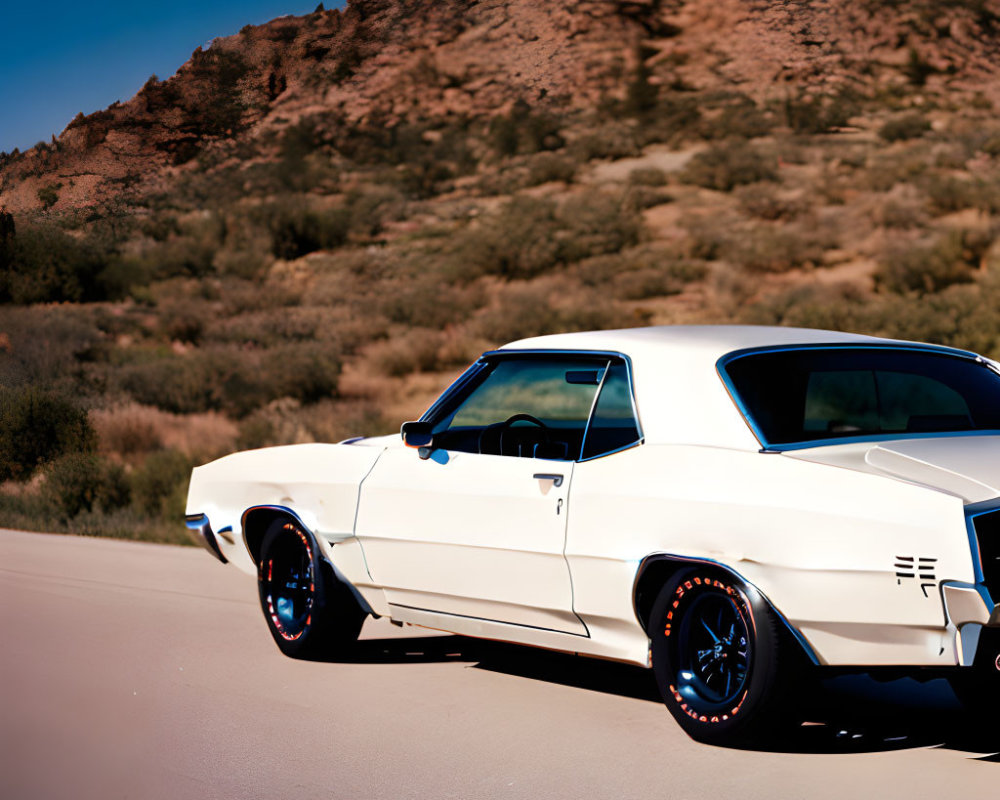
column 378, row 63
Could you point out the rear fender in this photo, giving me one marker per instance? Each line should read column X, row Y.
column 655, row 570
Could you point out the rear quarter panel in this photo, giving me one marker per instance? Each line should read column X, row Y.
column 820, row 542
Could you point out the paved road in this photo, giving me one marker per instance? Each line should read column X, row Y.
column 145, row 671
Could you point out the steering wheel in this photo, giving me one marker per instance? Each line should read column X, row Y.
column 502, row 427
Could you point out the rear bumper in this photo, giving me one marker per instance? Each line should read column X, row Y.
column 199, row 524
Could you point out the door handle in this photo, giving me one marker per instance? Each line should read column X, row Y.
column 548, row 476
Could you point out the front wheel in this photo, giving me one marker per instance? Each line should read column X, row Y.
column 716, row 651
column 309, row 612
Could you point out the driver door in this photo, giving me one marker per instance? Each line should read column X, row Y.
column 478, row 528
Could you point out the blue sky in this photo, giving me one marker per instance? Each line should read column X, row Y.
column 60, row 57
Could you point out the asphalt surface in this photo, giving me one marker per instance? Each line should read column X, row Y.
column 145, row 671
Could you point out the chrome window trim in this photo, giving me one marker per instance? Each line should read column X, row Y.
column 768, row 447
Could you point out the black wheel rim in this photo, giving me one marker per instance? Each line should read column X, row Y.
column 289, row 585
column 713, row 653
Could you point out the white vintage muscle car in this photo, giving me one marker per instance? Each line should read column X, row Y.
column 726, row 505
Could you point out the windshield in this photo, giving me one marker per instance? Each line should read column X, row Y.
column 813, row 394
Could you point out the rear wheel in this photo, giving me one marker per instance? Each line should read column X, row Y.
column 716, row 650
column 310, row 613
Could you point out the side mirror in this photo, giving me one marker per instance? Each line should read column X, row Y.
column 417, row 434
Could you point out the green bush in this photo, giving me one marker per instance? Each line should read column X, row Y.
column 37, row 427
column 159, row 485
column 80, row 482
column 725, row 166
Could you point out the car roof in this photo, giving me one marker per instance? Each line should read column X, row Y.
column 680, row 396
column 714, row 341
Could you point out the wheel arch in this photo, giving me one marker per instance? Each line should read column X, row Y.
column 655, row 570
column 257, row 519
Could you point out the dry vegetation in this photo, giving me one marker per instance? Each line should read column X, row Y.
column 326, row 278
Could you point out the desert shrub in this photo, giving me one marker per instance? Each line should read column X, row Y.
column 547, row 167
column 925, row 268
column 837, row 307
column 900, row 210
column 307, row 373
column 521, row 310
column 298, row 229
column 639, row 273
column 417, row 351
column 949, row 193
column 609, row 141
column 525, row 130
column 48, row 195
column 128, row 430
column 231, row 380
column 707, row 235
column 37, row 427
column 725, row 166
column 44, row 264
column 159, row 484
column 887, row 169
column 742, row 119
column 765, row 201
column 911, row 125
column 46, row 346
column 768, row 248
column 246, row 250
column 372, row 207
column 79, row 482
column 429, row 303
column 809, row 114
column 647, row 176
column 519, row 240
column 267, row 327
column 598, row 223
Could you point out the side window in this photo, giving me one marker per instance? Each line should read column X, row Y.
column 532, row 407
column 613, row 425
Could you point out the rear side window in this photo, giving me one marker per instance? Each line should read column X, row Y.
column 811, row 394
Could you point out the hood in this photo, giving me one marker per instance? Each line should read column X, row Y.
column 967, row 466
